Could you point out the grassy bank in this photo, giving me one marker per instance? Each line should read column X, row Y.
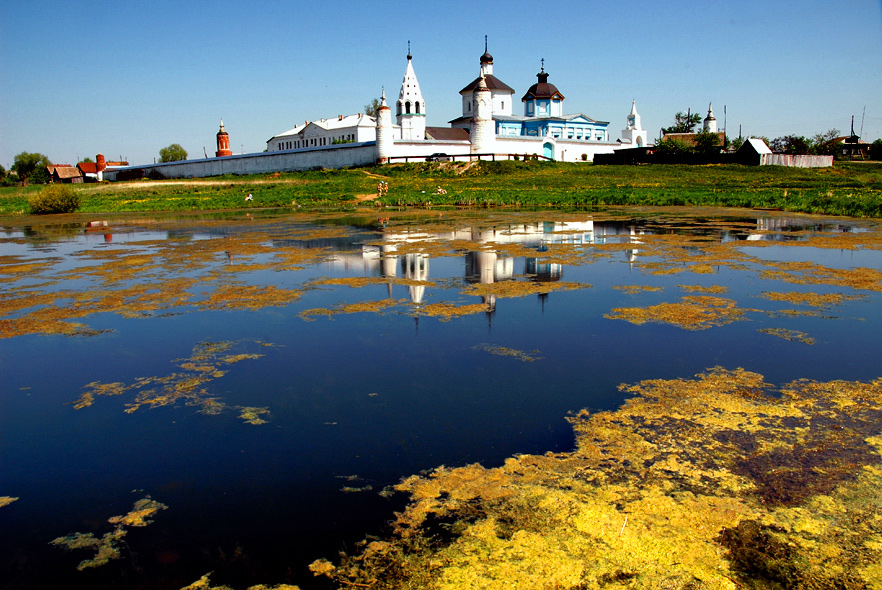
column 852, row 189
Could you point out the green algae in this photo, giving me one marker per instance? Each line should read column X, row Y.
column 787, row 334
column 107, row 547
column 6, row 500
column 721, row 481
column 206, row 363
column 692, row 312
column 527, row 357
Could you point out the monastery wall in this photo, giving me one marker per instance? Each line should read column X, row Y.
column 338, row 156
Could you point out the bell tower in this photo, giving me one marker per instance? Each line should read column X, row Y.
column 411, row 108
column 223, row 142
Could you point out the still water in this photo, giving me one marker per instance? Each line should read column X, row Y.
column 265, row 378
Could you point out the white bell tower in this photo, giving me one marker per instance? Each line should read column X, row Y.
column 710, row 122
column 633, row 132
column 410, row 111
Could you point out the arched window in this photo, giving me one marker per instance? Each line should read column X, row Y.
column 417, row 103
column 407, row 107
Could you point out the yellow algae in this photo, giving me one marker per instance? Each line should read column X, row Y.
column 448, row 311
column 811, row 299
column 204, row 583
column 140, row 514
column 252, row 415
column 709, row 290
column 250, row 297
column 204, row 365
column 360, row 307
column 786, row 334
column 504, row 351
column 6, row 500
column 634, row 289
column 520, row 288
column 97, row 388
column 720, row 481
column 693, row 312
column 107, row 548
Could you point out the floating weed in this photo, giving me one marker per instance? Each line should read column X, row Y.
column 250, row 297
column 693, row 312
column 720, row 481
column 503, row 351
column 811, row 299
column 447, row 311
column 792, row 335
column 520, row 288
column 252, row 415
column 709, row 290
column 634, row 289
column 107, row 548
column 6, row 500
column 360, row 307
column 204, row 583
column 205, row 364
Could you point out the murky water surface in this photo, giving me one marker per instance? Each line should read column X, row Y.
column 233, row 394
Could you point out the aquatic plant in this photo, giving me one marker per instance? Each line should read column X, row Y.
column 720, row 481
column 692, row 312
column 107, row 548
column 204, row 365
column 505, row 351
column 6, row 500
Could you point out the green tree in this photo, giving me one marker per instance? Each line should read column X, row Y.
column 707, row 143
column 683, row 123
column 172, row 153
column 372, row 108
column 671, row 147
column 736, row 143
column 876, row 150
column 39, row 176
column 25, row 163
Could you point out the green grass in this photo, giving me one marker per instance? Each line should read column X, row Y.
column 852, row 189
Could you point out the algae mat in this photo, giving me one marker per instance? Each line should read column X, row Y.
column 632, row 398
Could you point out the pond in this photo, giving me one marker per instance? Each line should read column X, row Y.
column 237, row 393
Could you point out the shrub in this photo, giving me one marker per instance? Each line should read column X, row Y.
column 55, row 198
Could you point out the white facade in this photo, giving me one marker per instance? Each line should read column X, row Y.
column 325, row 132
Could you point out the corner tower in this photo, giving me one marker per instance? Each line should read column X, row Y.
column 633, row 132
column 411, row 109
column 384, row 131
column 483, row 129
column 710, row 122
column 223, row 142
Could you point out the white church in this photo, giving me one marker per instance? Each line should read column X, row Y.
column 488, row 126
column 488, row 129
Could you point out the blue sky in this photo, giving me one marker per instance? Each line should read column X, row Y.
column 126, row 79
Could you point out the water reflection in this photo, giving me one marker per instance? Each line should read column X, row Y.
column 253, row 458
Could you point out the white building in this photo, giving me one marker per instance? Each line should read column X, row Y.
column 324, row 132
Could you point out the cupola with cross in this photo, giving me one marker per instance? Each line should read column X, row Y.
column 542, row 98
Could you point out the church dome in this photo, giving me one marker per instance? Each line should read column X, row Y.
column 486, row 58
column 542, row 89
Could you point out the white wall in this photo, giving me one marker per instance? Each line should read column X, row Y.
column 342, row 156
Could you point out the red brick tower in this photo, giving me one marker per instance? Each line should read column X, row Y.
column 223, row 142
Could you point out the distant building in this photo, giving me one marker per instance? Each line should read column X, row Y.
column 64, row 173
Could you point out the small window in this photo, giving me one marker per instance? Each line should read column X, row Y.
column 417, row 107
column 407, row 107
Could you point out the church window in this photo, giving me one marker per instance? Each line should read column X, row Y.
column 407, row 107
column 570, row 133
column 502, row 105
column 417, row 103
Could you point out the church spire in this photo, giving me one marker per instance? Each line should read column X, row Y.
column 411, row 108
